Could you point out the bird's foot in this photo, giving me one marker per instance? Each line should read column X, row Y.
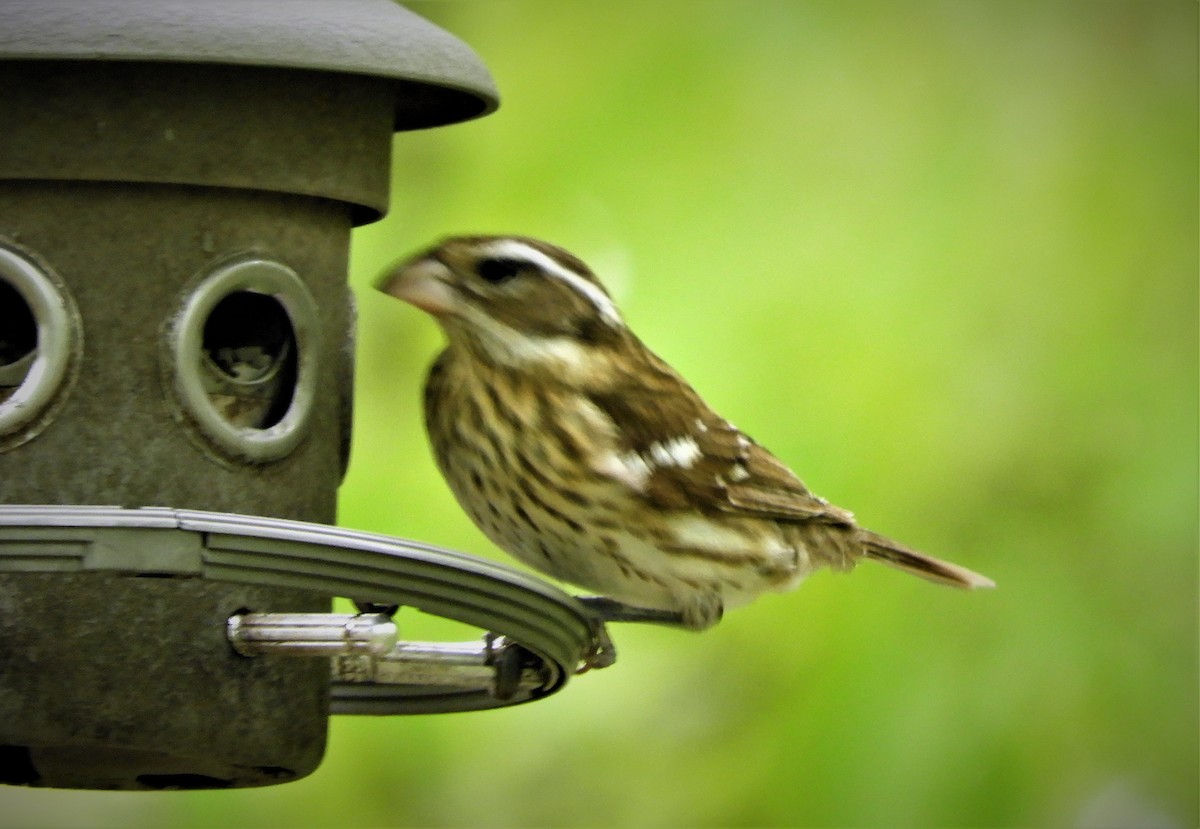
column 603, row 652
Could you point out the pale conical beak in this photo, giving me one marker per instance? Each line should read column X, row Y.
column 423, row 282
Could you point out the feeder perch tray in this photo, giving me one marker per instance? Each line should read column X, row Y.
column 536, row 635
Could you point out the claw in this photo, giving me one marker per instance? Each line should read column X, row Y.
column 603, row 652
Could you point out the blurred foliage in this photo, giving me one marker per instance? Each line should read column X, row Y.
column 941, row 258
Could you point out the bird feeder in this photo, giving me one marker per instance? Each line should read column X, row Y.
column 178, row 183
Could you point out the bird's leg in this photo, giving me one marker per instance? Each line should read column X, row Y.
column 611, row 610
column 703, row 613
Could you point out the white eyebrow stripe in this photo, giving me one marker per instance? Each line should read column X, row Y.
column 514, row 249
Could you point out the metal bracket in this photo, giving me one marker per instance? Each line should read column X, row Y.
column 364, row 649
column 311, row 634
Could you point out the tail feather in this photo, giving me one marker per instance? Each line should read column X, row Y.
column 932, row 569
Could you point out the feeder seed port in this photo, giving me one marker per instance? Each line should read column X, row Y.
column 240, row 362
column 40, row 343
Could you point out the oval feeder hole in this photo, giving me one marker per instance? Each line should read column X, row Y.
column 249, row 350
column 39, row 345
column 18, row 340
column 241, row 361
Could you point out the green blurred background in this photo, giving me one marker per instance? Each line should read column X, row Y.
column 942, row 259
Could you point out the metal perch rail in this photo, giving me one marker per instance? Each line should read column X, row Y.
column 365, row 648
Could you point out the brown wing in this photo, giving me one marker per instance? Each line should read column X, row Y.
column 773, row 491
column 729, row 473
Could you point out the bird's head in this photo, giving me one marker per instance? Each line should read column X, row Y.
column 515, row 302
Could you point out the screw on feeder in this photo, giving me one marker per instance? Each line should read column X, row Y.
column 513, row 664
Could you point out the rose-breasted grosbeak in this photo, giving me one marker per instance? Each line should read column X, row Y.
column 581, row 453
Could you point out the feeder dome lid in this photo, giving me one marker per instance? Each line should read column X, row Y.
column 443, row 80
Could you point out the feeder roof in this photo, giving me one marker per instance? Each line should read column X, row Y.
column 377, row 38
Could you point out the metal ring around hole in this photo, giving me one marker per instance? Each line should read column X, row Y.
column 186, row 356
column 59, row 343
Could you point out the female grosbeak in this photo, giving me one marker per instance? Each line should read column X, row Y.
column 580, row 452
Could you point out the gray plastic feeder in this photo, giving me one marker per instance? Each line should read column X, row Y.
column 178, row 182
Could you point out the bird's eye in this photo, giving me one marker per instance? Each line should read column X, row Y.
column 496, row 271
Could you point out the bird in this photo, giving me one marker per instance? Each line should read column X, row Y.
column 583, row 454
